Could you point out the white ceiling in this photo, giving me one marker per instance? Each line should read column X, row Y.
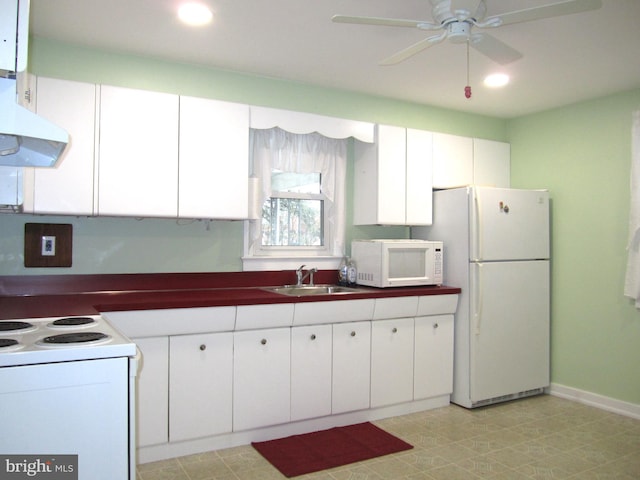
column 566, row 59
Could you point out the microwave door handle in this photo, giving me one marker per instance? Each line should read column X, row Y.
column 478, row 292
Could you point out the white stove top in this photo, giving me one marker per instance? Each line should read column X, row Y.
column 60, row 339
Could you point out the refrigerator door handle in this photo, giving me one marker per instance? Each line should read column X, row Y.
column 478, row 292
column 476, row 243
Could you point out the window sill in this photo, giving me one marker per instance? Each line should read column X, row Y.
column 255, row 264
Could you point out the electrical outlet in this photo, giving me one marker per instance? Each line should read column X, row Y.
column 48, row 246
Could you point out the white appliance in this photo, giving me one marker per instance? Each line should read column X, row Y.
column 498, row 253
column 67, row 388
column 397, row 263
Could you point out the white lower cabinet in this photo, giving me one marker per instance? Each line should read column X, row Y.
column 433, row 356
column 152, row 396
column 235, row 374
column 200, row 385
column 392, row 343
column 311, row 371
column 351, row 368
column 261, row 378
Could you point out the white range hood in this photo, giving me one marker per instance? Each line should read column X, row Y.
column 26, row 139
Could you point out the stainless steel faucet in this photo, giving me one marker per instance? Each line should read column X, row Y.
column 300, row 276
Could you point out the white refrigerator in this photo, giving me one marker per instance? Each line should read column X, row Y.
column 496, row 249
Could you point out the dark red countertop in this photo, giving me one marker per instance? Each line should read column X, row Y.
column 68, row 295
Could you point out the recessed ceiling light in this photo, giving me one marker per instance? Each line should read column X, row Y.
column 496, row 80
column 194, row 13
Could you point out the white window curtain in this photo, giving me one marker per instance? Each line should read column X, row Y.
column 632, row 280
column 275, row 148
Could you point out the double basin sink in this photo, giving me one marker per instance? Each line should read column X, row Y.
column 306, row 290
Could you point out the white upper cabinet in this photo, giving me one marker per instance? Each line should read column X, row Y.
column 67, row 188
column 392, row 178
column 491, row 163
column 459, row 161
column 138, row 160
column 452, row 160
column 419, row 178
column 214, row 159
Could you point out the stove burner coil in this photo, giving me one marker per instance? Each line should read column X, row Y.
column 73, row 321
column 8, row 342
column 75, row 337
column 12, row 326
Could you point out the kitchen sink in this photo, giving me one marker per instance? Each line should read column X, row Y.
column 305, row 290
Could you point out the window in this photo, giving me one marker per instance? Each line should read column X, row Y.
column 300, row 197
column 293, row 216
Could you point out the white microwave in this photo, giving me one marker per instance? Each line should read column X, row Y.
column 397, row 263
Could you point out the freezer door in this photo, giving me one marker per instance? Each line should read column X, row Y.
column 509, row 224
column 509, row 334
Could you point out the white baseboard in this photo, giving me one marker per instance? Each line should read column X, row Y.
column 595, row 400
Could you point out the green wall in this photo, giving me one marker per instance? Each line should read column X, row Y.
column 582, row 154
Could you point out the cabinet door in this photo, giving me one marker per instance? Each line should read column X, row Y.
column 68, row 188
column 200, row 381
column 138, row 166
column 152, row 396
column 351, row 369
column 452, row 160
column 392, row 175
column 391, row 361
column 310, row 371
column 261, row 378
column 419, row 199
column 214, row 159
column 433, row 356
column 491, row 163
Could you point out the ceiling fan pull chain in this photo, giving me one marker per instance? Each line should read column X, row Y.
column 467, row 89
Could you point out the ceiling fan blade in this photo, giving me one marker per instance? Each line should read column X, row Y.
column 387, row 22
column 493, row 48
column 566, row 7
column 481, row 11
column 413, row 49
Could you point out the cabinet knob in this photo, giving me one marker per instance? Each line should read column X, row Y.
column 394, row 330
column 435, row 325
column 263, row 341
column 313, row 336
column 203, row 347
column 353, row 334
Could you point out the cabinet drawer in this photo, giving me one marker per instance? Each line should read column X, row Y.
column 253, row 317
column 396, row 307
column 313, row 313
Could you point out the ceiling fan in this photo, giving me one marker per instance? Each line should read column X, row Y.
column 457, row 26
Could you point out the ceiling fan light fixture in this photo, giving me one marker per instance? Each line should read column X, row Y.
column 195, row 14
column 496, row 80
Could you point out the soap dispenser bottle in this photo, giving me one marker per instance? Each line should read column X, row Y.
column 352, row 272
column 343, row 271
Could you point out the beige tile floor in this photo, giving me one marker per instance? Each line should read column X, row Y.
column 537, row 438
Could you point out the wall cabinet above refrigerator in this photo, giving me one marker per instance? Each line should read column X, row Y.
column 460, row 161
